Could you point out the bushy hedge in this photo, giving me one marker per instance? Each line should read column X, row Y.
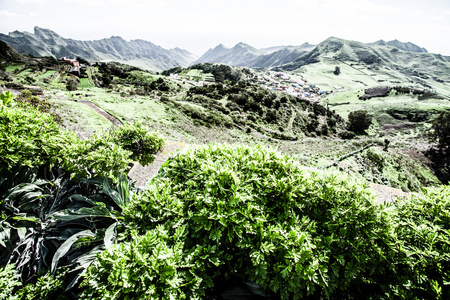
column 32, row 138
column 249, row 214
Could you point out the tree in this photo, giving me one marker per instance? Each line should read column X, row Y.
column 440, row 130
column 337, row 71
column 72, row 83
column 359, row 121
column 440, row 155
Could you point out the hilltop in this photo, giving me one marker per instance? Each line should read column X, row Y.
column 365, row 65
column 245, row 55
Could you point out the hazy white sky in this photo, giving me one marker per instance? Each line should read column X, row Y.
column 197, row 25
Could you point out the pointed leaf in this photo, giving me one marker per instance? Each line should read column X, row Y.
column 84, row 261
column 65, row 247
column 115, row 196
column 85, row 212
column 22, row 231
column 110, row 236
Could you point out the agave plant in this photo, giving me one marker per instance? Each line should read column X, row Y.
column 57, row 220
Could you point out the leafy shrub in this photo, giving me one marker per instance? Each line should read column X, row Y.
column 32, row 138
column 72, row 83
column 423, row 262
column 252, row 215
column 359, row 121
column 29, row 137
column 46, row 287
column 376, row 159
column 6, row 97
column 53, row 220
column 440, row 154
column 440, row 130
column 97, row 156
column 142, row 144
column 9, row 279
column 151, row 266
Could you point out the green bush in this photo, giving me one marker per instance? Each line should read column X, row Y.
column 423, row 260
column 346, row 135
column 440, row 131
column 151, row 266
column 9, row 279
column 142, row 144
column 97, row 156
column 250, row 214
column 30, row 137
column 359, row 121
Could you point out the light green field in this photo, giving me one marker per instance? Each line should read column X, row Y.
column 141, row 109
column 25, row 72
column 84, row 83
column 46, row 74
column 79, row 117
column 356, row 76
column 345, row 102
column 197, row 75
column 14, row 67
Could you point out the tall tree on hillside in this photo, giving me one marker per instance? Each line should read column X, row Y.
column 337, row 71
column 440, row 155
column 440, row 130
column 359, row 121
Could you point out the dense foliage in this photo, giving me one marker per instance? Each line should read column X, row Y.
column 359, row 121
column 219, row 215
column 30, row 137
column 51, row 219
column 248, row 106
column 135, row 138
column 440, row 130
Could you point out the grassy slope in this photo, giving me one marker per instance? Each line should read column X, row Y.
column 174, row 125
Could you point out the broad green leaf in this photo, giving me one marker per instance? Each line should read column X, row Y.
column 85, row 212
column 65, row 247
column 110, row 236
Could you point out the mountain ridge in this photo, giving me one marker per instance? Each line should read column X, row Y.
column 145, row 54
column 138, row 52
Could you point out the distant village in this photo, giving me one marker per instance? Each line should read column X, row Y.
column 283, row 82
column 275, row 81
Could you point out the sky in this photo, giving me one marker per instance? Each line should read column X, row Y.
column 198, row 25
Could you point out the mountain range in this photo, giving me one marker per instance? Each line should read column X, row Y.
column 395, row 60
column 247, row 56
column 140, row 53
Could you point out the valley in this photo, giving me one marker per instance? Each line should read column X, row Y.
column 301, row 112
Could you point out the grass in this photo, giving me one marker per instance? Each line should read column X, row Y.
column 84, row 83
column 80, row 118
column 25, row 72
column 12, row 68
column 346, row 101
column 46, row 74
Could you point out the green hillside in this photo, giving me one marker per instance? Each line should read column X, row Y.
column 368, row 65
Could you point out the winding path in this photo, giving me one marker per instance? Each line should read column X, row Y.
column 102, row 112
